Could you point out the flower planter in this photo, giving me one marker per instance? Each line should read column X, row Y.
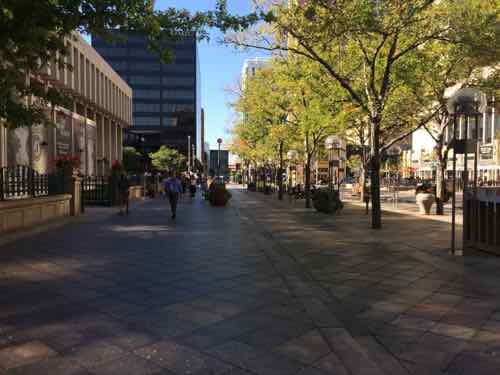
column 218, row 195
column 425, row 202
column 327, row 201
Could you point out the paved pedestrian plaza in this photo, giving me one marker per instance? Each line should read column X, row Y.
column 257, row 287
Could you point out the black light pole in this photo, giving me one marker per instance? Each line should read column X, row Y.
column 465, row 103
column 331, row 143
column 219, row 141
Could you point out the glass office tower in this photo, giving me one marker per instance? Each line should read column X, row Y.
column 166, row 103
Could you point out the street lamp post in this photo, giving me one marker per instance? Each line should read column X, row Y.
column 189, row 153
column 395, row 153
column 463, row 104
column 219, row 141
column 331, row 144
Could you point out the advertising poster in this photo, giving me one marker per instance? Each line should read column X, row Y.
column 63, row 134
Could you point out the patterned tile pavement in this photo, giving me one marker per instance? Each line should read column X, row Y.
column 257, row 287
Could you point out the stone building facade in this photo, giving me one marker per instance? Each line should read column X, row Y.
column 91, row 128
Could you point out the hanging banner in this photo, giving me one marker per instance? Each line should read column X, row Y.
column 63, row 134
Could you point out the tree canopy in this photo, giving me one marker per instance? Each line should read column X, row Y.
column 376, row 53
column 168, row 159
column 34, row 32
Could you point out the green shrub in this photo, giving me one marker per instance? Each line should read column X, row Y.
column 327, row 201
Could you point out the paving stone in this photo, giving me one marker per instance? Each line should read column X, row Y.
column 460, row 332
column 128, row 365
column 181, row 359
column 24, row 354
column 273, row 364
column 332, row 365
column 50, row 366
column 307, row 348
column 95, row 353
column 235, row 352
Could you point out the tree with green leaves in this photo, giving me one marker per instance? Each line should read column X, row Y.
column 370, row 48
column 131, row 160
column 168, row 160
column 263, row 105
column 32, row 33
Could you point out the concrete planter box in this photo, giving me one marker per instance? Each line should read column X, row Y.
column 18, row 214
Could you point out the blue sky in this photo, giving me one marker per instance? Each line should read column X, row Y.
column 220, row 68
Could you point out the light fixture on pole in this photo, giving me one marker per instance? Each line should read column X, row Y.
column 189, row 153
column 219, row 141
column 395, row 152
column 331, row 144
column 465, row 103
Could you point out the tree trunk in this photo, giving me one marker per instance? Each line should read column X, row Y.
column 440, row 185
column 280, row 174
column 307, row 184
column 362, row 183
column 375, row 175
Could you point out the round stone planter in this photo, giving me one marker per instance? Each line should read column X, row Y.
column 425, row 202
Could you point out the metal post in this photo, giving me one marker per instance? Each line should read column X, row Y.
column 218, row 162
column 465, row 183
column 475, row 221
column 454, row 178
column 189, row 153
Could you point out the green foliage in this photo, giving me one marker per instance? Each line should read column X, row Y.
column 379, row 54
column 327, row 201
column 167, row 159
column 131, row 160
column 33, row 33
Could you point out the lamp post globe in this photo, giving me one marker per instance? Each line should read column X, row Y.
column 465, row 102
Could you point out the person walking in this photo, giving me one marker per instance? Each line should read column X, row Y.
column 192, row 187
column 123, row 193
column 173, row 188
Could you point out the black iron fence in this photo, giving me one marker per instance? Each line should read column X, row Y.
column 23, row 182
column 97, row 190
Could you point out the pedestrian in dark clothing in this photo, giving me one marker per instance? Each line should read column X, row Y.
column 173, row 188
column 123, row 193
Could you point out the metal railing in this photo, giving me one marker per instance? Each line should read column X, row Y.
column 23, row 182
column 97, row 190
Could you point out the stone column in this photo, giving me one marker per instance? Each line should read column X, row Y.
column 120, row 143
column 112, row 127
column 106, row 145
column 72, row 185
column 3, row 146
column 99, row 144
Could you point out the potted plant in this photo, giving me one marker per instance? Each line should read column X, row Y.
column 327, row 201
column 425, row 197
column 218, row 194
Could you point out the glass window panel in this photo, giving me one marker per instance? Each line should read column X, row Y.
column 111, row 52
column 144, row 65
column 487, row 124
column 181, row 94
column 144, row 80
column 177, row 81
column 496, row 116
column 178, row 68
column 146, row 107
column 146, row 94
column 146, row 121
column 143, row 52
column 171, row 107
column 170, row 121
